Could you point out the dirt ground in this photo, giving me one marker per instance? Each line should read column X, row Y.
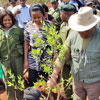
column 3, row 95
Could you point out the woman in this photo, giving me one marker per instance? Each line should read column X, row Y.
column 32, row 65
column 11, row 50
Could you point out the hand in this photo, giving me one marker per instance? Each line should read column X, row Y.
column 26, row 75
column 17, row 11
column 51, row 83
column 26, row 71
column 25, row 22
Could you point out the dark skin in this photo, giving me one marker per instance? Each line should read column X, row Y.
column 22, row 2
column 13, row 3
column 56, row 71
column 65, row 15
column 87, row 34
column 37, row 17
column 54, row 5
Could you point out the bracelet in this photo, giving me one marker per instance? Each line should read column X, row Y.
column 25, row 70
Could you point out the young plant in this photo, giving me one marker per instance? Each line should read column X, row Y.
column 44, row 55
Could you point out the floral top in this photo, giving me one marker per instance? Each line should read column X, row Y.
column 31, row 34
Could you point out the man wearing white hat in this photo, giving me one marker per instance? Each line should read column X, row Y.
column 83, row 45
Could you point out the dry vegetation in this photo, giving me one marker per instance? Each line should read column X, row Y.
column 5, row 3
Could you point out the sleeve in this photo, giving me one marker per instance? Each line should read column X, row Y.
column 21, row 37
column 26, row 35
column 63, row 55
column 50, row 17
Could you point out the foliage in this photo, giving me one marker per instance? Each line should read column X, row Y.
column 6, row 3
column 45, row 45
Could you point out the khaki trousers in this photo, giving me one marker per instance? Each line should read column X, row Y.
column 83, row 90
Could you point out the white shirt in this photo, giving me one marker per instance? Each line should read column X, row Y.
column 10, row 8
column 61, row 3
column 1, row 9
column 24, row 16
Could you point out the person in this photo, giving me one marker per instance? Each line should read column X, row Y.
column 22, row 13
column 82, row 2
column 11, row 51
column 2, row 86
column 82, row 45
column 31, row 93
column 55, row 12
column 77, row 3
column 66, row 11
column 12, row 5
column 32, row 65
column 61, row 3
column 96, row 11
column 47, row 16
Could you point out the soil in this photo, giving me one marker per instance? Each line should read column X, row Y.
column 3, row 95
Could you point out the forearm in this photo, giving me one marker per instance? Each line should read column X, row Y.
column 26, row 47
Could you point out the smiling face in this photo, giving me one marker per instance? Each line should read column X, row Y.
column 37, row 17
column 7, row 22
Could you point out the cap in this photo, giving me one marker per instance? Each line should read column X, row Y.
column 52, row 1
column 68, row 8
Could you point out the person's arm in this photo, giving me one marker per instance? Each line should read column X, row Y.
column 26, row 64
column 59, row 63
column 26, row 48
column 16, row 11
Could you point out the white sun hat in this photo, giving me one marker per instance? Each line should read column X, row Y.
column 83, row 20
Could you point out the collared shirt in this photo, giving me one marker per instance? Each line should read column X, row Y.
column 7, row 31
column 10, row 8
column 24, row 16
column 29, row 31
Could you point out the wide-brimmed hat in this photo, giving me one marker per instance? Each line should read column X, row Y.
column 83, row 20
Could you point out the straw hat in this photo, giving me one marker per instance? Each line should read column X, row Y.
column 83, row 20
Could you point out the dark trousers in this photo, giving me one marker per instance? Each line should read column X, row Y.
column 34, row 76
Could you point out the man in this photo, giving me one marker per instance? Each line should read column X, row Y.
column 77, row 3
column 96, row 11
column 22, row 13
column 65, row 13
column 55, row 12
column 12, row 4
column 83, row 46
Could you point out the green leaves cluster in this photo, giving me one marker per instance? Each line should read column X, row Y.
column 17, row 83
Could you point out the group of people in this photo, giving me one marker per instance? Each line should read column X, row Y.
column 76, row 23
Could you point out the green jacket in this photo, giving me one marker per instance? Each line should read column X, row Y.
column 56, row 14
column 85, row 64
column 11, row 50
column 64, row 31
